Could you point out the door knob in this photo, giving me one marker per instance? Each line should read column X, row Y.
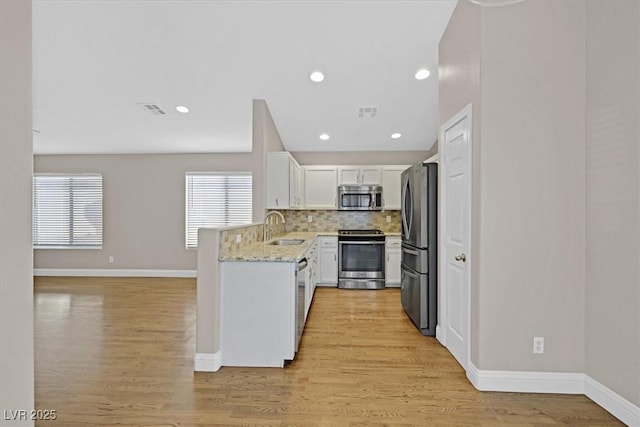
column 461, row 257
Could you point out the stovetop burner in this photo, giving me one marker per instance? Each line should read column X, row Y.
column 355, row 232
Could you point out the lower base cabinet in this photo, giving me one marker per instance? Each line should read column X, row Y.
column 258, row 313
column 259, row 302
column 328, row 260
column 393, row 260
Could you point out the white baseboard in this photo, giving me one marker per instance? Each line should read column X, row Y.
column 207, row 362
column 112, row 272
column 556, row 382
column 441, row 336
column 617, row 405
column 525, row 381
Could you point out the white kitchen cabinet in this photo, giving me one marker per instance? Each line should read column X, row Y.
column 321, row 187
column 393, row 260
column 328, row 261
column 283, row 181
column 300, row 182
column 391, row 186
column 354, row 175
column 257, row 313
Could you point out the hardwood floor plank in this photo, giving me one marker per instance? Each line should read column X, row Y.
column 119, row 351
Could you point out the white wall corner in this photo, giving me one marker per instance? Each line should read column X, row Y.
column 525, row 381
column 617, row 405
column 207, row 362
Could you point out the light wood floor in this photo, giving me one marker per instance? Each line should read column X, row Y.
column 120, row 352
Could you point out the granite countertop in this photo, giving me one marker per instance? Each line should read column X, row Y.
column 273, row 253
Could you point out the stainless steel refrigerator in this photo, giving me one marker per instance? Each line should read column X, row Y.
column 419, row 245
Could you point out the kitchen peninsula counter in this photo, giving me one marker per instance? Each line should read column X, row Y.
column 264, row 252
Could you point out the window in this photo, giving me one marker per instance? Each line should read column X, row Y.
column 216, row 200
column 67, row 211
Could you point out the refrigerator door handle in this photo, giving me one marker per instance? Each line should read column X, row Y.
column 406, row 222
column 409, row 272
column 410, row 251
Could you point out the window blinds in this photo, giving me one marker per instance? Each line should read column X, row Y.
column 216, row 200
column 67, row 211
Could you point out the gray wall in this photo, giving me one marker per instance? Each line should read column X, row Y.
column 528, row 172
column 265, row 139
column 556, row 192
column 532, row 187
column 613, row 196
column 459, row 85
column 16, row 148
column 143, row 208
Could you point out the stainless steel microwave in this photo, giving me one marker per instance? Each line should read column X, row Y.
column 360, row 198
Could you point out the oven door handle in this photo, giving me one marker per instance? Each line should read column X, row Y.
column 359, row 243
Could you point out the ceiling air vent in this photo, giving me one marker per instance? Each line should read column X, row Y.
column 152, row 109
column 369, row 112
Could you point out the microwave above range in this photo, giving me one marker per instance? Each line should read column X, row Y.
column 360, row 197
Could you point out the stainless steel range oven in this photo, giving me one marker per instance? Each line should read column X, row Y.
column 361, row 259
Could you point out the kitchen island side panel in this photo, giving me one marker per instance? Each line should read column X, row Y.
column 257, row 313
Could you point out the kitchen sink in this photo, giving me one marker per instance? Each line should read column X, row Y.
column 286, row 242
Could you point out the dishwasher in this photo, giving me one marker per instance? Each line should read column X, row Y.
column 301, row 285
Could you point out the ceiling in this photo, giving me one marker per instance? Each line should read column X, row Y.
column 97, row 63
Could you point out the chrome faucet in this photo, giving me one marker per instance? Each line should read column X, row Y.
column 265, row 235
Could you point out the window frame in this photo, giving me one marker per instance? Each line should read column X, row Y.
column 70, row 232
column 245, row 174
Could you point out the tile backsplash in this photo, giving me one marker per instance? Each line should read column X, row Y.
column 298, row 221
column 334, row 220
column 250, row 234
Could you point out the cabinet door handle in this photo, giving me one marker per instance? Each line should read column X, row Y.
column 335, row 257
column 276, row 201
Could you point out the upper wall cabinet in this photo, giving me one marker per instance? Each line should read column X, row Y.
column 284, row 189
column 321, row 187
column 353, row 175
column 391, row 186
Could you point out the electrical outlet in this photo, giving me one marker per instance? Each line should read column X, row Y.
column 238, row 238
column 538, row 345
column 110, row 259
column 310, row 218
column 388, row 218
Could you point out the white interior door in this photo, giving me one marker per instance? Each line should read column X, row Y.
column 455, row 259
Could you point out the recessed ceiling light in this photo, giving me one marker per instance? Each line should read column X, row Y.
column 396, row 135
column 182, row 109
column 324, row 137
column 422, row 74
column 316, row 77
